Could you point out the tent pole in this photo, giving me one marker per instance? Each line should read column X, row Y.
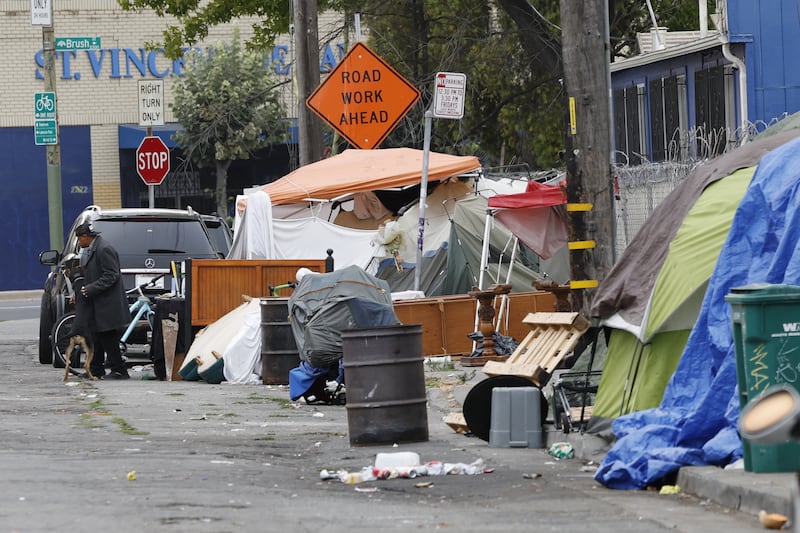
column 484, row 261
column 504, row 298
column 637, row 356
column 596, row 333
column 485, row 249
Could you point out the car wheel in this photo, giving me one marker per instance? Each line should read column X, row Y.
column 45, row 328
column 62, row 332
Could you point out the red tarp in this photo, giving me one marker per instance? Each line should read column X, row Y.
column 537, row 216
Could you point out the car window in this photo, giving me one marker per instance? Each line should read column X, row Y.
column 220, row 234
column 154, row 236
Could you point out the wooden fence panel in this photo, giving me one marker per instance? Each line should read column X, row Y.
column 217, row 285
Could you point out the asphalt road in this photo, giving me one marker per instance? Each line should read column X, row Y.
column 214, row 458
column 20, row 308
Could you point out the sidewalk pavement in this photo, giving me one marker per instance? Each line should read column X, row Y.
column 734, row 489
column 33, row 294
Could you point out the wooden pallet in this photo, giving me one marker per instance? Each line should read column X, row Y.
column 575, row 413
column 552, row 337
column 456, row 422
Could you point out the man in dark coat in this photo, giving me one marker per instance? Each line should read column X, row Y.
column 103, row 288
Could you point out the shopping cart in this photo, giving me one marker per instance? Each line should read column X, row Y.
column 574, row 394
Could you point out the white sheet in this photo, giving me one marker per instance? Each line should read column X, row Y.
column 253, row 236
column 310, row 238
column 216, row 336
column 242, row 354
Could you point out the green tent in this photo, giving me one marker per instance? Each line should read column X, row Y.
column 640, row 363
column 651, row 298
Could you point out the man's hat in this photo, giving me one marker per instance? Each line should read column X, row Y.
column 86, row 229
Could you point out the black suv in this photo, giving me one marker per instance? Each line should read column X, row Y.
column 221, row 234
column 147, row 241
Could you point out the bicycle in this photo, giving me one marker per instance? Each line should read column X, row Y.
column 275, row 289
column 142, row 316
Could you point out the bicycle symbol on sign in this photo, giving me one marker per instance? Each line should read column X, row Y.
column 45, row 103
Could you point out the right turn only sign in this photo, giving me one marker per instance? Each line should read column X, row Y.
column 448, row 95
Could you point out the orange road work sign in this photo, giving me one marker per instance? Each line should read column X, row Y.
column 363, row 98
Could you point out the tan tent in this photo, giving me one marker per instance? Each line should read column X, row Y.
column 355, row 171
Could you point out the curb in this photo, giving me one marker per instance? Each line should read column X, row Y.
column 736, row 489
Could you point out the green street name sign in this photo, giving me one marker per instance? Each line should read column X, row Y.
column 67, row 44
column 45, row 132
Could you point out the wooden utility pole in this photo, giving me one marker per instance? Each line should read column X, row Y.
column 53, row 151
column 590, row 191
column 306, row 35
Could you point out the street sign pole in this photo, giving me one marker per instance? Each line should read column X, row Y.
column 151, row 189
column 150, row 99
column 448, row 102
column 54, row 209
column 423, row 194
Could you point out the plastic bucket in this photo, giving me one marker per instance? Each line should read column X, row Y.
column 278, row 348
column 385, row 378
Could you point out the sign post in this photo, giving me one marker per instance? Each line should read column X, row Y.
column 47, row 131
column 363, row 98
column 448, row 102
column 152, row 163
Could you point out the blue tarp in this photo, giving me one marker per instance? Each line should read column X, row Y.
column 696, row 422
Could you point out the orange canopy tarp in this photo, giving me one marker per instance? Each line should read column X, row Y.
column 356, row 170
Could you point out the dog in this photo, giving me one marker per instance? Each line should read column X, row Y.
column 80, row 327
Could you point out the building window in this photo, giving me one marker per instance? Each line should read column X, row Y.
column 710, row 112
column 668, row 119
column 629, row 125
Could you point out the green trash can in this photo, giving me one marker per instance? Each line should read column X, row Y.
column 766, row 335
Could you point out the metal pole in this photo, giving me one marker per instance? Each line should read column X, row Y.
column 54, row 209
column 151, row 189
column 423, row 194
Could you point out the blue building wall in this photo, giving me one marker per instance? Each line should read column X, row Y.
column 771, row 33
column 766, row 35
column 24, row 223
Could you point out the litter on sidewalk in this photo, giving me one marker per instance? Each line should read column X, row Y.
column 386, row 467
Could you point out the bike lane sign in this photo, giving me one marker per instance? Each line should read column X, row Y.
column 44, row 105
column 45, row 128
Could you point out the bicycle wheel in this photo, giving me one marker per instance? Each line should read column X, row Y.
column 62, row 332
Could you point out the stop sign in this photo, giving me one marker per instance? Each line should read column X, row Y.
column 152, row 160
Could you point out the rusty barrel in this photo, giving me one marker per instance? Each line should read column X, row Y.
column 278, row 349
column 384, row 375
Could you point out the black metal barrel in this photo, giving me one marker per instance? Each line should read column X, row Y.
column 278, row 349
column 385, row 379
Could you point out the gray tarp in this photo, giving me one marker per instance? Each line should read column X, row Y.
column 455, row 267
column 324, row 305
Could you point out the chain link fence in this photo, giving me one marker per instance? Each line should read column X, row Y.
column 638, row 191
